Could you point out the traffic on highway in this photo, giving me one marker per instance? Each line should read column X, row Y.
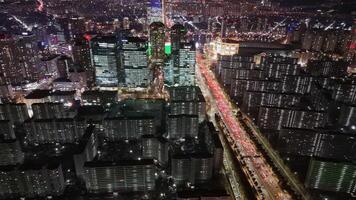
column 259, row 172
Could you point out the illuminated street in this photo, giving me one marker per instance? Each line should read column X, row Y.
column 256, row 167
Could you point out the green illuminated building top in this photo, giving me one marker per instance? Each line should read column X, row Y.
column 167, row 49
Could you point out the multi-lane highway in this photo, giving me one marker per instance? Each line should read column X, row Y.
column 256, row 168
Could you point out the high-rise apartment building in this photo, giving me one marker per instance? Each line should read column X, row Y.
column 331, row 176
column 19, row 60
column 126, row 176
column 81, row 57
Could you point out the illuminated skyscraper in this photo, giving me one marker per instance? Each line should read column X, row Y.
column 104, row 51
column 133, row 57
column 182, row 70
column 186, row 71
column 157, row 40
column 81, row 57
column 178, row 32
column 154, row 11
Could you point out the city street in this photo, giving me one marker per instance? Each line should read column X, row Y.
column 256, row 168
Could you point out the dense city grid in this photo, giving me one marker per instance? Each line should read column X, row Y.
column 177, row 99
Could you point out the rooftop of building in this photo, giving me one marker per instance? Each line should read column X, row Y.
column 63, row 93
column 106, row 39
column 62, row 79
column 38, row 94
column 50, row 57
column 183, row 116
column 30, row 165
column 99, row 93
column 128, row 118
column 55, row 152
column 90, row 110
column 136, row 39
column 189, row 148
column 119, row 163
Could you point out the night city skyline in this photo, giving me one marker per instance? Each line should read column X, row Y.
column 177, row 100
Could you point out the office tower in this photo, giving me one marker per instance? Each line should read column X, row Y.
column 81, row 57
column 331, row 176
column 168, row 71
column 127, row 176
column 134, row 61
column 179, row 126
column 182, row 72
column 104, row 58
column 186, row 69
column 154, row 11
column 178, row 33
column 128, row 127
column 157, row 41
column 19, row 60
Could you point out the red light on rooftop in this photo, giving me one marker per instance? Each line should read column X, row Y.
column 87, row 37
column 353, row 45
